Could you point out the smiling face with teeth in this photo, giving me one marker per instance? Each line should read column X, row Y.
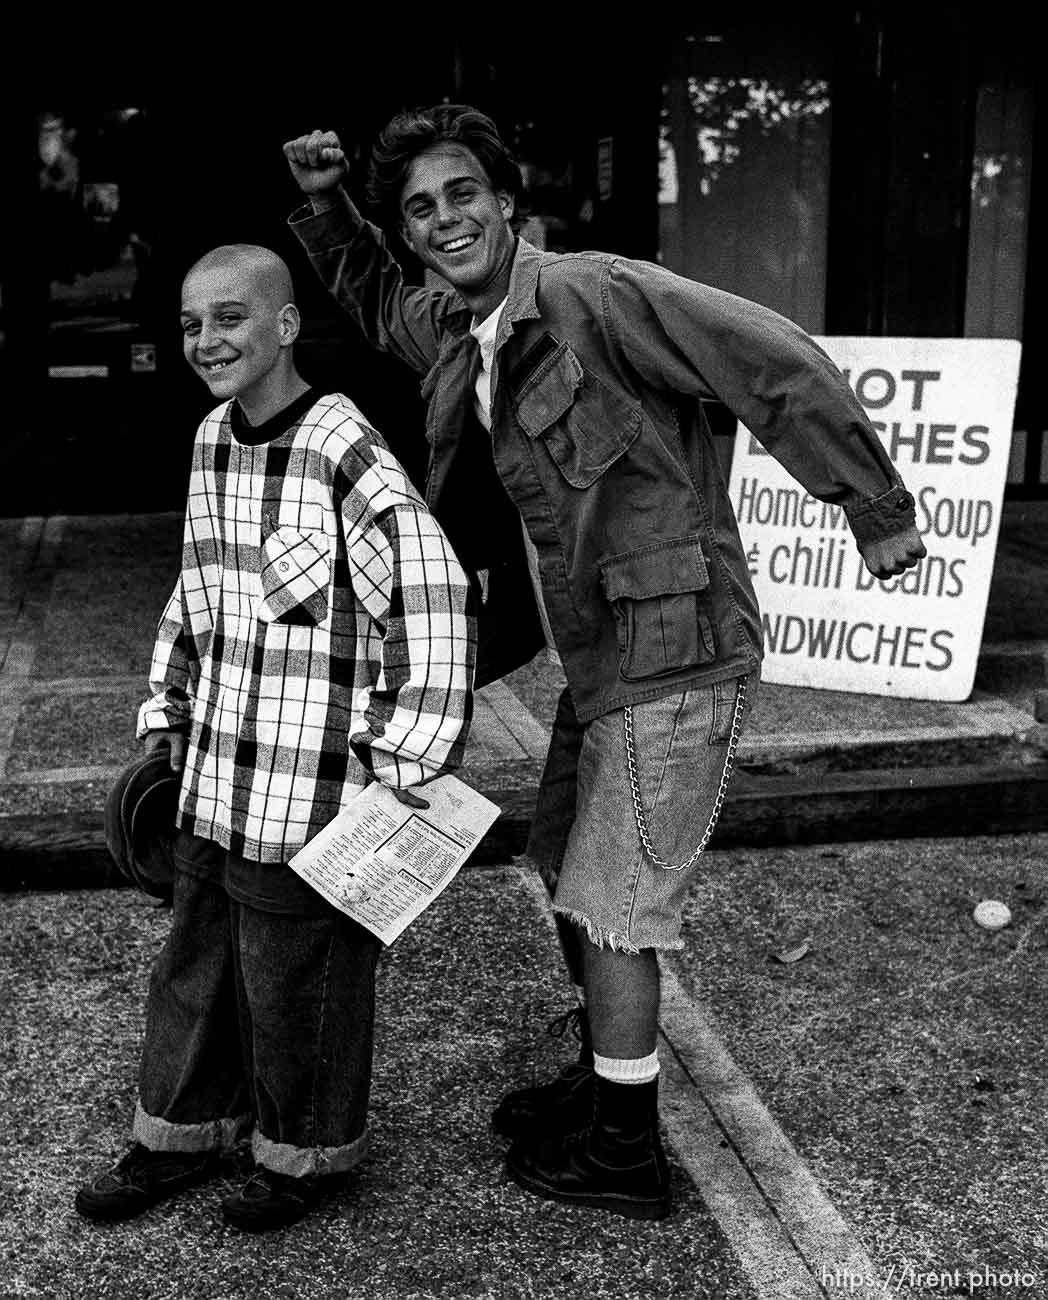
column 238, row 325
column 457, row 224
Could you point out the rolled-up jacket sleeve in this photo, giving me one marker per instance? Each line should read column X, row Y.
column 688, row 338
column 355, row 265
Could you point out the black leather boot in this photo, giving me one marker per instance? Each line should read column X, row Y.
column 563, row 1104
column 617, row 1163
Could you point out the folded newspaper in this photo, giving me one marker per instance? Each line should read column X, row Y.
column 383, row 863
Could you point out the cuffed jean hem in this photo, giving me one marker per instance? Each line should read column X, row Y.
column 209, row 1135
column 298, row 1162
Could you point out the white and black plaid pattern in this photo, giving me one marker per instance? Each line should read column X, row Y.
column 317, row 637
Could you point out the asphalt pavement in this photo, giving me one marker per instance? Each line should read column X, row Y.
column 853, row 1071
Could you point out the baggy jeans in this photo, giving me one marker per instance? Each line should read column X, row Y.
column 262, row 1023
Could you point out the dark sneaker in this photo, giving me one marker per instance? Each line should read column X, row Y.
column 627, row 1176
column 271, row 1200
column 142, row 1178
column 560, row 1106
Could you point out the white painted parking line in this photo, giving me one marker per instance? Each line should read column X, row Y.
column 789, row 1238
column 530, row 734
column 809, row 1221
column 772, row 1263
column 490, row 731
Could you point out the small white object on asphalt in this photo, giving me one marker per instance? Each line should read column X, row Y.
column 992, row 914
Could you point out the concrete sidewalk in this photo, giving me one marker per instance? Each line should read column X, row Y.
column 80, row 601
column 812, row 1149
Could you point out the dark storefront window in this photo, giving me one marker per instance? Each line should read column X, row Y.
column 926, row 229
column 998, row 226
column 97, row 243
column 744, row 170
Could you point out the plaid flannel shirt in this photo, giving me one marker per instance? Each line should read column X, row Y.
column 317, row 636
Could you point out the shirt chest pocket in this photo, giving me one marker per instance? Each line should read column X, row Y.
column 295, row 574
column 583, row 424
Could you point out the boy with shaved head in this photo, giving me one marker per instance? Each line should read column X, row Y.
column 317, row 640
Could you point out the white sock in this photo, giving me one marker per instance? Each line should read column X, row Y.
column 637, row 1069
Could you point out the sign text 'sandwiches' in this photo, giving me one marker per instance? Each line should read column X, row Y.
column 943, row 408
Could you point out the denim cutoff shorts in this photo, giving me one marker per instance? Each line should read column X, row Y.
column 585, row 839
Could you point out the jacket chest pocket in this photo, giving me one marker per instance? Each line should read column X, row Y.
column 295, row 573
column 657, row 595
column 584, row 425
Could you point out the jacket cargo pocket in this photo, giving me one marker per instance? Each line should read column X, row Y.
column 295, row 573
column 657, row 595
column 584, row 425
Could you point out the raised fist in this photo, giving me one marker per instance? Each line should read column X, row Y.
column 316, row 161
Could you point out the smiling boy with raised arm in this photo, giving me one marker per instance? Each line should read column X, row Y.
column 570, row 386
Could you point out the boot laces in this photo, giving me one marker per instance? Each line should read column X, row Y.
column 572, row 1020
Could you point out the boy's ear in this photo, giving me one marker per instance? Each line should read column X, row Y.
column 290, row 324
column 507, row 203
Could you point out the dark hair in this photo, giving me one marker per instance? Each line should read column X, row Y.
column 413, row 131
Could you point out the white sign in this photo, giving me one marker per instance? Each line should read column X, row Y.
column 943, row 409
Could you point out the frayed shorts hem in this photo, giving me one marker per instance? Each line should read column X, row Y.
column 598, row 935
column 613, row 939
